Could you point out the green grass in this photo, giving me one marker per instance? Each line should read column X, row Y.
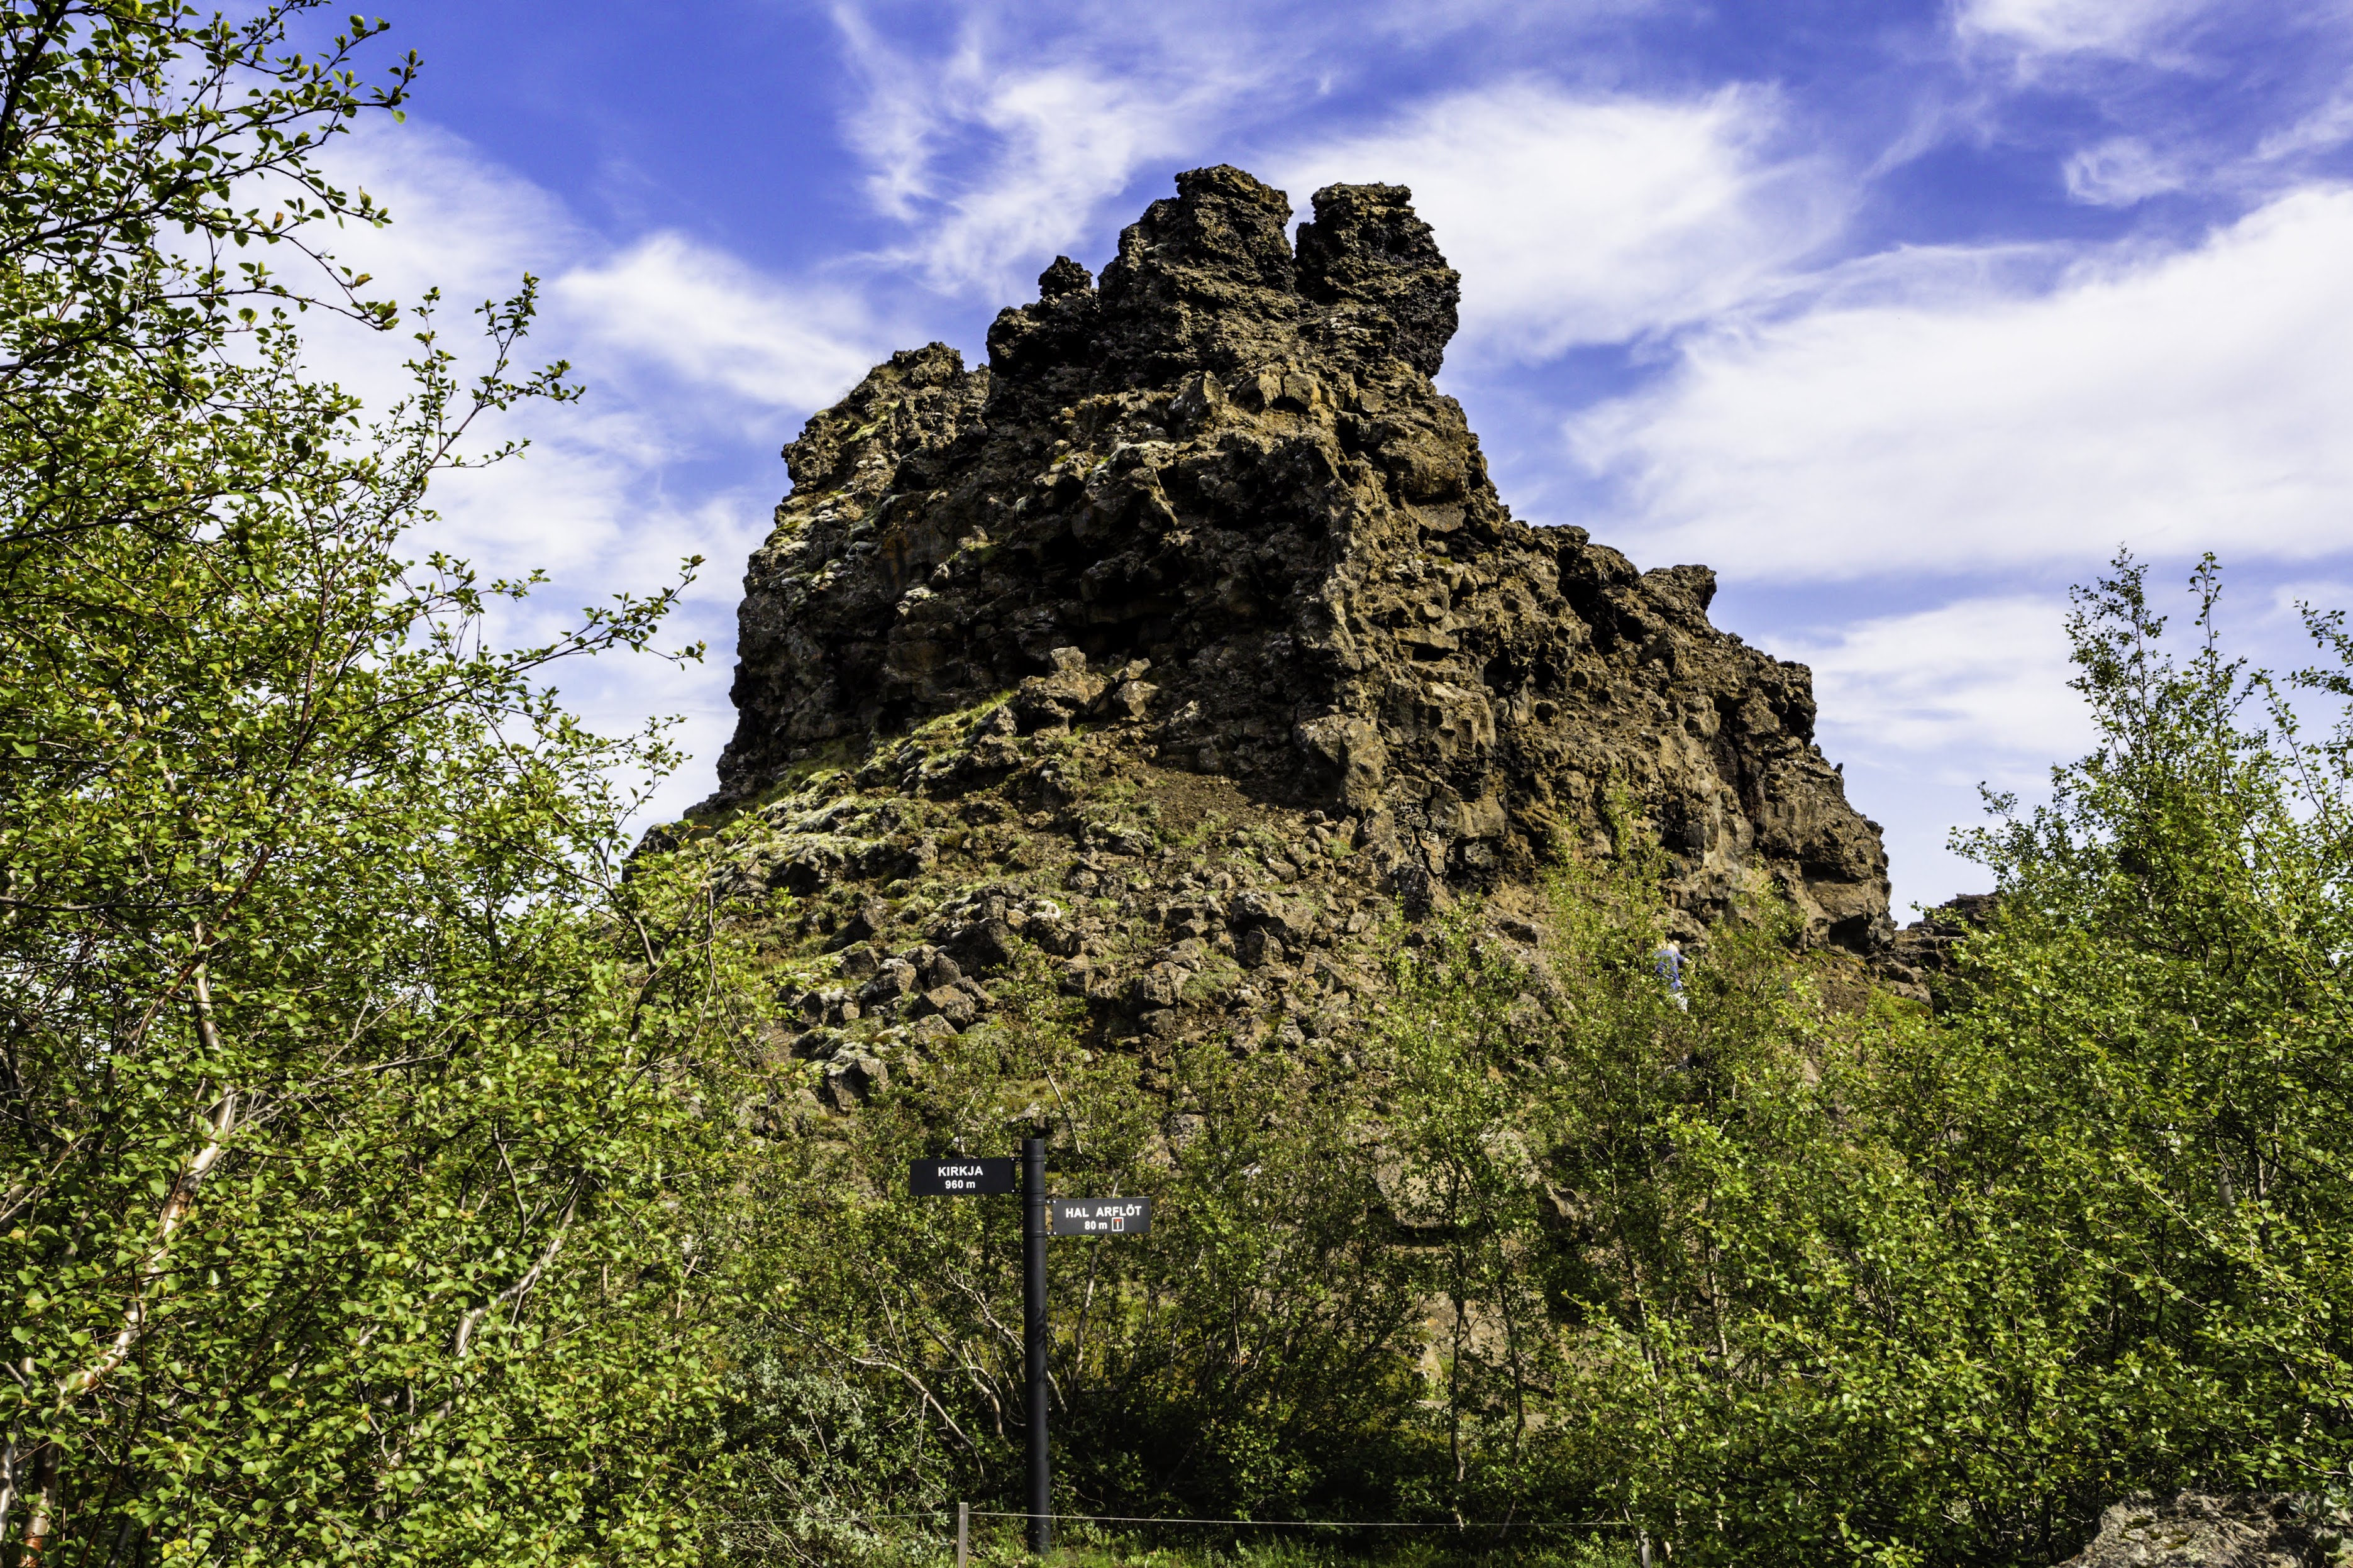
column 1553, row 1550
column 998, row 1543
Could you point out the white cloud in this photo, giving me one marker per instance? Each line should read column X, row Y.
column 1961, row 688
column 1582, row 219
column 712, row 321
column 2121, row 172
column 1066, row 140
column 696, row 366
column 1420, row 22
column 2322, row 593
column 2328, row 127
column 999, row 151
column 1921, row 708
column 2172, row 401
column 461, row 223
column 1924, row 707
column 2074, row 26
column 664, row 302
column 1005, row 145
column 591, row 504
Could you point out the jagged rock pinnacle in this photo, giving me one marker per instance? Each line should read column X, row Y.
column 1212, row 505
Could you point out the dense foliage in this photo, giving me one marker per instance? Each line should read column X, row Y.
column 1939, row 1288
column 344, row 1153
column 1779, row 1275
column 384, row 1176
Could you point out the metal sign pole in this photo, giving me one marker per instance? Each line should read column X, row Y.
column 969, row 1176
column 1033, row 1338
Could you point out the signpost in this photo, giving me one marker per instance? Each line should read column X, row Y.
column 959, row 1178
column 1041, row 1216
column 1099, row 1216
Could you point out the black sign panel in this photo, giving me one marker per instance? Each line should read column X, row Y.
column 959, row 1178
column 1099, row 1216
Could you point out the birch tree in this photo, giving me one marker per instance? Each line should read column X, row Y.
column 349, row 1160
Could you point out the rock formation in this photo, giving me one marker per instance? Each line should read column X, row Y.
column 1183, row 648
column 1211, row 518
column 1929, row 946
column 2200, row 1530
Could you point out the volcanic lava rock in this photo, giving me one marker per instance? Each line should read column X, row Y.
column 2204, row 1529
column 1214, row 507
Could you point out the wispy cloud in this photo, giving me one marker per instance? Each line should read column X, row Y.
column 1923, row 708
column 2171, row 401
column 1000, row 148
column 2128, row 28
column 2228, row 105
column 1582, row 219
column 2324, row 130
column 2120, row 171
column 462, row 223
column 998, row 132
column 718, row 325
column 694, row 362
column 1973, row 689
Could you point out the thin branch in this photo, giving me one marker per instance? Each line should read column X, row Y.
column 515, row 1292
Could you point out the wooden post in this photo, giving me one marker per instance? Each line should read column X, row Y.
column 963, row 1532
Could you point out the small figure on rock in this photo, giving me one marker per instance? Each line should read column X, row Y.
column 1669, row 961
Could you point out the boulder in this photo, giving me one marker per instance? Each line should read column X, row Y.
column 2209, row 1529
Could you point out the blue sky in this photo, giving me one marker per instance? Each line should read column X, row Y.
column 1903, row 317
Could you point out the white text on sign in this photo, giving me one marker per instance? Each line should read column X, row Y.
column 959, row 1176
column 1100, row 1216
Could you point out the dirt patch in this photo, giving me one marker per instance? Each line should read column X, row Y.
column 1183, row 799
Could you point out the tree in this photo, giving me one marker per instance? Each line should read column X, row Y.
column 1940, row 1290
column 352, row 1163
column 2162, row 1013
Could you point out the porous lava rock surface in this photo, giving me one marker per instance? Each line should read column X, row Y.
column 1210, row 517
column 2208, row 1529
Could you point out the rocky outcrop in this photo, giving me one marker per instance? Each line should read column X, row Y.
column 1212, row 513
column 1922, row 963
column 2201, row 1530
column 1929, row 945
